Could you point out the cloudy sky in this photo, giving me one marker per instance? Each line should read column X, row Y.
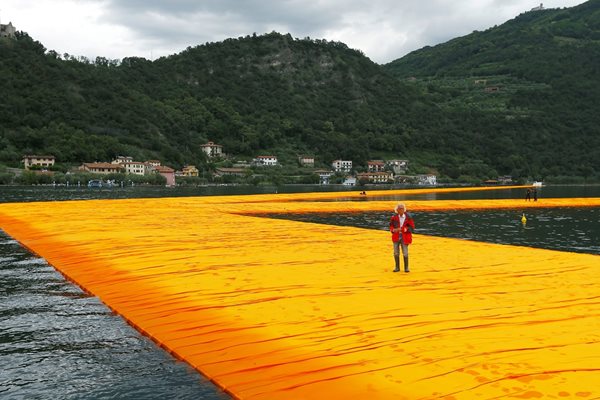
column 382, row 29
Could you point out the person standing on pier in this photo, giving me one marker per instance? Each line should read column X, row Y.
column 402, row 227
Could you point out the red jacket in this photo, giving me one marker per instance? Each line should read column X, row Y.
column 407, row 228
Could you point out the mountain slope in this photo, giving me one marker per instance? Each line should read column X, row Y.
column 542, row 78
column 250, row 94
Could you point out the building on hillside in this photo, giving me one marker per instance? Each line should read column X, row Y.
column 266, row 161
column 429, row 180
column 405, row 179
column 350, row 181
column 212, row 150
column 122, row 159
column 7, row 30
column 135, row 167
column 189, row 170
column 375, row 166
column 306, row 161
column 168, row 173
column 101, row 168
column 38, row 161
column 539, row 8
column 153, row 163
column 324, row 175
column 341, row 165
column 398, row 166
column 375, row 177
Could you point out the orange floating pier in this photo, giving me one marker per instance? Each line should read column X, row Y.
column 277, row 309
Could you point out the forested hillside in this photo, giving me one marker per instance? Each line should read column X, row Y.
column 525, row 93
column 517, row 99
column 252, row 94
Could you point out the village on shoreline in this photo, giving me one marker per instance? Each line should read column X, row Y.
column 221, row 169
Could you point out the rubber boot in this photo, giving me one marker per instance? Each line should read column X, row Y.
column 397, row 260
column 406, row 264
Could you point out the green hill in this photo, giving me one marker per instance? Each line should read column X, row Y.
column 252, row 94
column 526, row 91
column 516, row 99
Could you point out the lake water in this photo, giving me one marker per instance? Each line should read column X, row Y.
column 50, row 193
column 58, row 342
column 565, row 229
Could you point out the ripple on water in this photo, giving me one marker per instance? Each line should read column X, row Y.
column 58, row 342
column 31, row 261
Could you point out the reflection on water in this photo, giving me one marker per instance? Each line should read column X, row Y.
column 566, row 229
column 58, row 342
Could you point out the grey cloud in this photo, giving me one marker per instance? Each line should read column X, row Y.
column 383, row 29
column 188, row 23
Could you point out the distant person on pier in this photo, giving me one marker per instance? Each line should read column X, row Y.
column 528, row 195
column 534, row 194
column 402, row 227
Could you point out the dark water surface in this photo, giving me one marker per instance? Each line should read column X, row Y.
column 565, row 229
column 11, row 194
column 57, row 342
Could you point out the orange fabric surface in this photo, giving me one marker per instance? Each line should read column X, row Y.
column 276, row 309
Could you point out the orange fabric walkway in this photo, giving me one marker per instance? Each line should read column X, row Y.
column 276, row 309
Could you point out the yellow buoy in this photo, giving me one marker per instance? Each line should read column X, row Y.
column 523, row 219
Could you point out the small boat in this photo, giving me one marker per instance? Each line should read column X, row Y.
column 536, row 184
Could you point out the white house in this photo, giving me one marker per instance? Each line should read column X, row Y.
column 266, row 161
column 306, row 161
column 350, row 181
column 341, row 165
column 122, row 159
column 429, row 180
column 398, row 166
column 135, row 167
column 153, row 163
column 212, row 150
column 324, row 176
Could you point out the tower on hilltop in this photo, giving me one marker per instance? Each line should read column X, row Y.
column 7, row 30
column 540, row 8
